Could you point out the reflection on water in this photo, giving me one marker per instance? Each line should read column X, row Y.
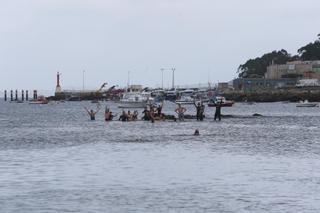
column 53, row 159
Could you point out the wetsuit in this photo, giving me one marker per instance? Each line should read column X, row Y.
column 201, row 114
column 123, row 118
column 198, row 108
column 218, row 112
column 159, row 111
column 146, row 115
column 181, row 116
column 92, row 116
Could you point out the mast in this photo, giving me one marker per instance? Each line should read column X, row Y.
column 83, row 80
column 173, row 69
column 128, row 82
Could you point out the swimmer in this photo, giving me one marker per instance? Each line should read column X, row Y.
column 135, row 115
column 146, row 114
column 202, row 112
column 180, row 111
column 196, row 132
column 124, row 116
column 91, row 113
column 108, row 116
column 198, row 109
column 160, row 115
column 217, row 114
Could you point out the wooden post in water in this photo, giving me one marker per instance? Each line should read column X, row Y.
column 16, row 99
column 35, row 95
column 11, row 95
column 22, row 95
column 27, row 95
column 5, row 95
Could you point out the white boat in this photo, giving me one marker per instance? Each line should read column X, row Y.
column 170, row 95
column 185, row 100
column 306, row 103
column 220, row 101
column 135, row 100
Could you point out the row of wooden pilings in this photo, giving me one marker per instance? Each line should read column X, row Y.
column 24, row 95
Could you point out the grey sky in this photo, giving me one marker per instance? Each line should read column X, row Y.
column 200, row 38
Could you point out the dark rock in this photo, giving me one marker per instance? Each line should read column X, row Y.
column 257, row 115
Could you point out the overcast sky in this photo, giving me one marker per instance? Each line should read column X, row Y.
column 203, row 39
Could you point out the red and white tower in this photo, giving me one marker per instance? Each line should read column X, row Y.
column 58, row 87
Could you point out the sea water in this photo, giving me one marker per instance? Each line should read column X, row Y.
column 54, row 159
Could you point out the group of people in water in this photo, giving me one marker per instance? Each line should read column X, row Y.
column 154, row 112
column 126, row 116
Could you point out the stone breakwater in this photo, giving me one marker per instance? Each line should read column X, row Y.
column 290, row 94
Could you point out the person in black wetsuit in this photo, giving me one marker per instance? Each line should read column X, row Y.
column 146, row 114
column 124, row 116
column 198, row 109
column 92, row 114
column 159, row 111
column 202, row 111
column 196, row 132
column 217, row 114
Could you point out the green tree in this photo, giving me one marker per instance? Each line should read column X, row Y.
column 311, row 51
column 256, row 68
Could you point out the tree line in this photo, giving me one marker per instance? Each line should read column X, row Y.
column 256, row 68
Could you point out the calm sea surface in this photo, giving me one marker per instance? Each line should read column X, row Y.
column 53, row 159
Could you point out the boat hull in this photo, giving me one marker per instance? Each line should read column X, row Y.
column 307, row 105
column 132, row 105
column 38, row 102
column 229, row 104
column 184, row 102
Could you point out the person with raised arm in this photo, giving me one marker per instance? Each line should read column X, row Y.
column 180, row 110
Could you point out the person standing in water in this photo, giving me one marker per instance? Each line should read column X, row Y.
column 91, row 113
column 180, row 111
column 129, row 115
column 202, row 111
column 108, row 116
column 217, row 114
column 160, row 115
column 146, row 114
column 124, row 116
column 135, row 115
column 198, row 109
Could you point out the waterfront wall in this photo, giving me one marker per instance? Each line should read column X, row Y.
column 273, row 95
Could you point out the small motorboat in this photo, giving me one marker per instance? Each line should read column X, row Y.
column 220, row 101
column 39, row 100
column 306, row 103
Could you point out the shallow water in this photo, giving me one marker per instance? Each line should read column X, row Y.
column 53, row 159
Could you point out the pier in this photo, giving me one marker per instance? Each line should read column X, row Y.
column 24, row 94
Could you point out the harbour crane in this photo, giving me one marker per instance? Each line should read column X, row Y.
column 102, row 86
